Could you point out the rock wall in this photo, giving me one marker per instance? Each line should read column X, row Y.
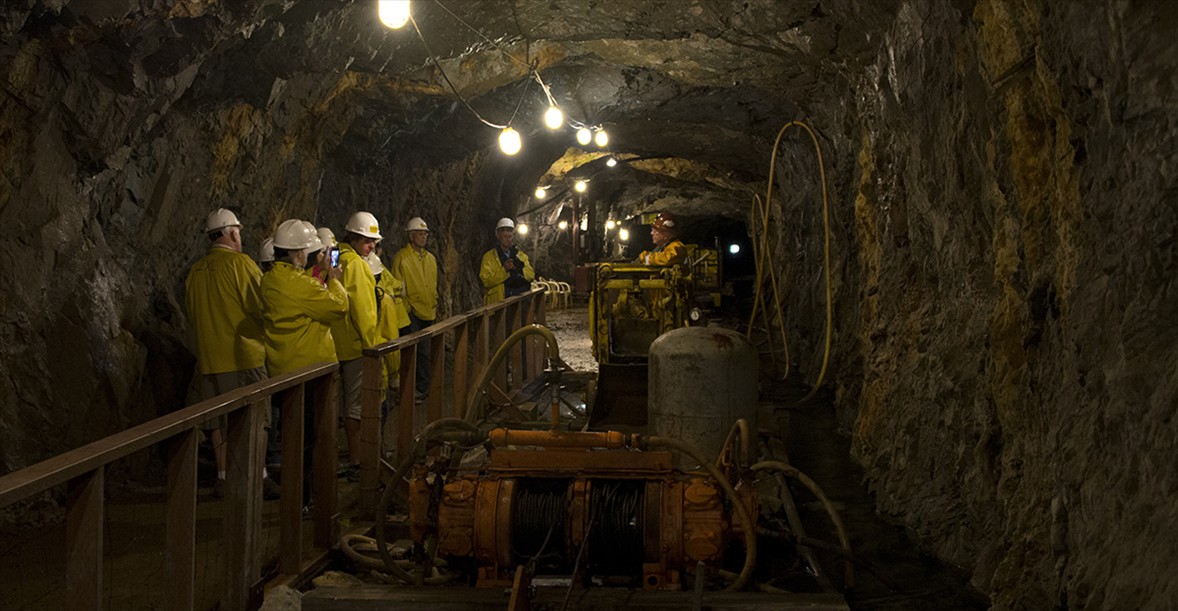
column 1006, row 341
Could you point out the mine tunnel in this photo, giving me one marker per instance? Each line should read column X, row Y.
column 917, row 348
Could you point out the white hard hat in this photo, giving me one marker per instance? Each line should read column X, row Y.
column 416, row 224
column 327, row 237
column 374, row 263
column 293, row 235
column 505, row 223
column 267, row 254
column 363, row 223
column 316, row 243
column 220, row 219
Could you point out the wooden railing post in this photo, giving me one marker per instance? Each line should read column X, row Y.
column 498, row 334
column 437, row 376
column 324, row 457
column 370, row 399
column 534, row 345
column 515, row 357
column 180, row 528
column 405, row 406
column 242, row 505
column 290, row 502
column 84, row 533
column 461, row 367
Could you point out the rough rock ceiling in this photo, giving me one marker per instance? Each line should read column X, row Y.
column 700, row 84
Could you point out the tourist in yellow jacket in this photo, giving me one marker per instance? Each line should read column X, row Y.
column 388, row 325
column 417, row 268
column 668, row 250
column 505, row 270
column 298, row 312
column 223, row 299
column 357, row 330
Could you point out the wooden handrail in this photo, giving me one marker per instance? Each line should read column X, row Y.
column 445, row 325
column 48, row 473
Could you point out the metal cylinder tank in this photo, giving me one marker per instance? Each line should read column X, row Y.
column 701, row 380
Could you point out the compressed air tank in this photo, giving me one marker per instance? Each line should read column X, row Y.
column 702, row 379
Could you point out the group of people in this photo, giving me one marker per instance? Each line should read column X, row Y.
column 320, row 302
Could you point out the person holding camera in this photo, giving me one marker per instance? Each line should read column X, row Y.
column 357, row 330
column 505, row 270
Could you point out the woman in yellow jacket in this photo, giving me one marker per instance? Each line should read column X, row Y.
column 505, row 270
column 390, row 316
column 297, row 312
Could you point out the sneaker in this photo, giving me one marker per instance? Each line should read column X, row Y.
column 307, row 509
column 351, row 473
column 219, row 489
column 270, row 490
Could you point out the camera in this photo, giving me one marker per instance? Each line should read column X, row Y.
column 335, row 256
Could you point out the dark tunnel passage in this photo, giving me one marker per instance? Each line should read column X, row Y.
column 996, row 227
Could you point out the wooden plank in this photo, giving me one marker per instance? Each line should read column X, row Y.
column 290, row 503
column 64, row 467
column 371, row 395
column 405, row 405
column 498, row 334
column 180, row 529
column 461, row 368
column 243, row 487
column 84, row 534
column 533, row 349
column 515, row 357
column 437, row 379
column 324, row 495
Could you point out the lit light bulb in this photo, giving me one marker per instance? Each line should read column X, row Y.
column 521, row 229
column 624, row 235
column 584, row 136
column 611, row 162
column 509, row 141
column 393, row 13
column 541, row 192
column 601, row 138
column 733, row 248
column 610, row 224
column 580, row 186
column 585, row 224
column 562, row 225
column 553, row 118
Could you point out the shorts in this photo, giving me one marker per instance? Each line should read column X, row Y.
column 214, row 384
column 351, row 376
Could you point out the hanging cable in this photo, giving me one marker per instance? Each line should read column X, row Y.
column 437, row 65
column 825, row 248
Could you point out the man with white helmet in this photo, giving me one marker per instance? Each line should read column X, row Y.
column 298, row 312
column 266, row 255
column 358, row 329
column 417, row 269
column 505, row 270
column 223, row 299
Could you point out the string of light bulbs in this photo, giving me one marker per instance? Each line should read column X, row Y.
column 395, row 14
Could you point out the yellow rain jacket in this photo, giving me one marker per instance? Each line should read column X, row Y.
column 389, row 328
column 419, row 272
column 673, row 253
column 493, row 275
column 396, row 289
column 224, row 303
column 357, row 330
column 298, row 313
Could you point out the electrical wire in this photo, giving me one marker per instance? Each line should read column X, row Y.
column 825, row 250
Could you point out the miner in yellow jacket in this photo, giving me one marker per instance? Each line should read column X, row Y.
column 298, row 312
column 505, row 270
column 414, row 266
column 223, row 298
column 387, row 316
column 668, row 250
column 357, row 330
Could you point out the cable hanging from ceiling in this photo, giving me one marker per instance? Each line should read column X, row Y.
column 396, row 14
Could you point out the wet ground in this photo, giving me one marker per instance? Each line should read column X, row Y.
column 891, row 572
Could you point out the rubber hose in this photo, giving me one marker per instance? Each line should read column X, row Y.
column 750, row 529
column 472, row 403
column 777, row 465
